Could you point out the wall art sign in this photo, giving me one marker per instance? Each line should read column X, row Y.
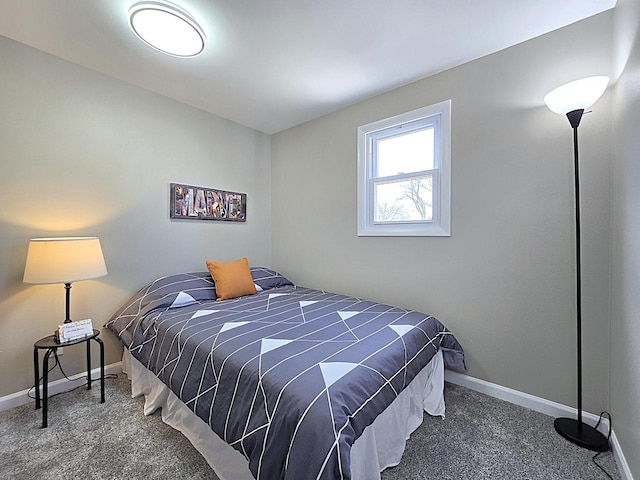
column 201, row 203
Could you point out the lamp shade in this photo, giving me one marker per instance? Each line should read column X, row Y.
column 578, row 95
column 64, row 260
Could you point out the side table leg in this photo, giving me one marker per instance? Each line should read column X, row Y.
column 37, row 376
column 88, row 364
column 45, row 384
column 101, row 368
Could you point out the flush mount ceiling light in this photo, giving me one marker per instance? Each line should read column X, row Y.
column 167, row 28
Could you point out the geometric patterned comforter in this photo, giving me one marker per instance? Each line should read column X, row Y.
column 291, row 376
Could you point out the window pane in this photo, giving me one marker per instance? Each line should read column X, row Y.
column 408, row 153
column 404, row 200
column 404, row 174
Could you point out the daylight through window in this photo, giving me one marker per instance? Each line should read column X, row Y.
column 404, row 174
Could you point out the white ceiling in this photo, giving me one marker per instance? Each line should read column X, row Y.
column 273, row 64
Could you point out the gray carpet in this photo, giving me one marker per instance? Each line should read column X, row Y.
column 480, row 438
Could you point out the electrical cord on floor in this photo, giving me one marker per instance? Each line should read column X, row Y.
column 609, row 448
column 58, row 364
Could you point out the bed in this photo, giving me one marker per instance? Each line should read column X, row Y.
column 288, row 383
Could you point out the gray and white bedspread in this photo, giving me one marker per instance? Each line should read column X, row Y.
column 291, row 376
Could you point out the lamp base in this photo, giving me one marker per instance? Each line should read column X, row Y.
column 581, row 434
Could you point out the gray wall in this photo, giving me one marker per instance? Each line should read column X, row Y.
column 84, row 154
column 504, row 281
column 625, row 299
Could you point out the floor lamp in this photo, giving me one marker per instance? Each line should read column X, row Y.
column 572, row 100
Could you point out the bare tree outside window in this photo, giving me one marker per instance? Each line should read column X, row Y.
column 390, row 212
column 415, row 190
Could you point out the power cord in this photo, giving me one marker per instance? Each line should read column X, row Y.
column 593, row 459
column 58, row 364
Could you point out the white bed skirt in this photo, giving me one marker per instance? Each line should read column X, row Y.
column 380, row 446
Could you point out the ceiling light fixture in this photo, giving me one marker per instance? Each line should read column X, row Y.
column 167, row 28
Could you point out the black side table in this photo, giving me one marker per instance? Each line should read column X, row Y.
column 50, row 345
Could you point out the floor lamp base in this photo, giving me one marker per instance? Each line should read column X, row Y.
column 581, row 434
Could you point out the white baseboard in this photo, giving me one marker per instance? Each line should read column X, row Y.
column 623, row 466
column 57, row 386
column 541, row 405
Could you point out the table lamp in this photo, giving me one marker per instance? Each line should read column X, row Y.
column 64, row 260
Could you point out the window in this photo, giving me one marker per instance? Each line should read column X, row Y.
column 404, row 174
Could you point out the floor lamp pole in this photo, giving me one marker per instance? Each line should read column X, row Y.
column 576, row 431
column 576, row 172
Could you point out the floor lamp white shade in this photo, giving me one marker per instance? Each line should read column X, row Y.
column 578, row 95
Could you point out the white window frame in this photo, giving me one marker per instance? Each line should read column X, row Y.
column 440, row 225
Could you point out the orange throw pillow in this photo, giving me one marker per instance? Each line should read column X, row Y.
column 233, row 279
